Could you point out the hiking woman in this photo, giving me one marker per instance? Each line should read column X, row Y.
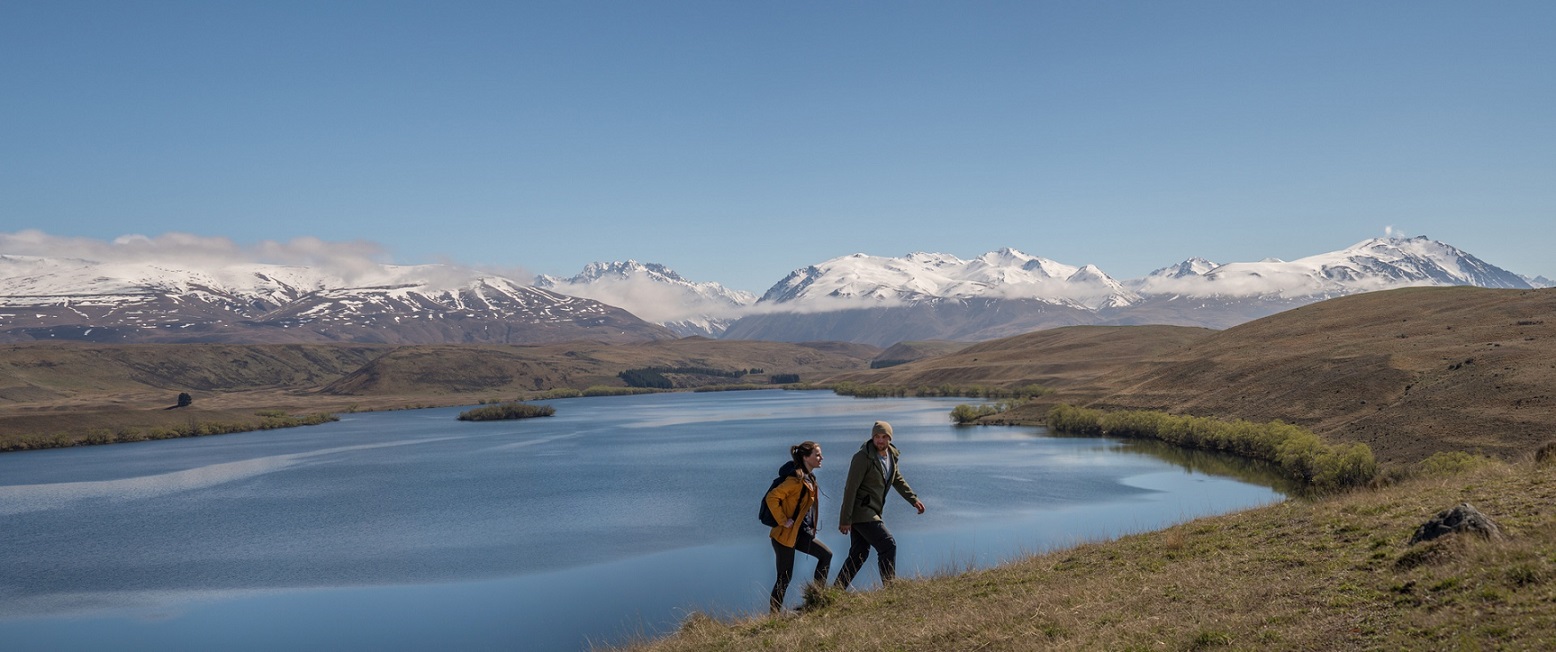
column 794, row 504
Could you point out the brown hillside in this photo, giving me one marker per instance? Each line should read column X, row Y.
column 446, row 369
column 1408, row 372
column 1076, row 358
column 54, row 374
column 67, row 390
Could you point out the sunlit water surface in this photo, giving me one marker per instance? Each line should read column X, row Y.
column 615, row 518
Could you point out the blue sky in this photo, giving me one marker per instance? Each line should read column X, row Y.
column 737, row 141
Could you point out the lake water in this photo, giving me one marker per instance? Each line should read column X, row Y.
column 615, row 518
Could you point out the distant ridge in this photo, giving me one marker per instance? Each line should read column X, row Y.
column 166, row 301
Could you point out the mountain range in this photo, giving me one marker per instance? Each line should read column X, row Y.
column 855, row 298
column 205, row 301
column 881, row 301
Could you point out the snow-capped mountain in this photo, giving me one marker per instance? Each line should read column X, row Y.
column 1195, row 266
column 1376, row 264
column 658, row 294
column 1538, row 281
column 924, row 296
column 928, row 296
column 856, row 298
column 54, row 298
column 1003, row 274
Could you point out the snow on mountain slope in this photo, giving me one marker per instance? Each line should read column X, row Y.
column 658, row 294
column 869, row 281
column 1375, row 264
column 177, row 298
column 42, row 298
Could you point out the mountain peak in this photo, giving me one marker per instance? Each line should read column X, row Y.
column 656, row 293
column 1194, row 266
column 920, row 276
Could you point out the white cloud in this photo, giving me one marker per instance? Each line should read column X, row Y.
column 652, row 300
column 351, row 261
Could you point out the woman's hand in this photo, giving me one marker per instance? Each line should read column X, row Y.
column 788, row 524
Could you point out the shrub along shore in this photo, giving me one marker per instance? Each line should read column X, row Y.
column 267, row 420
column 1295, row 450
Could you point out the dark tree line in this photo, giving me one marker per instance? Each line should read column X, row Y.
column 654, row 377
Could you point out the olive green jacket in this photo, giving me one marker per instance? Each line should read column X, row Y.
column 864, row 493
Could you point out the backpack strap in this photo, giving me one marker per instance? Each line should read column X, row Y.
column 803, row 488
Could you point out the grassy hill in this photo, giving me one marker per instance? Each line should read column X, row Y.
column 1408, row 372
column 1074, row 357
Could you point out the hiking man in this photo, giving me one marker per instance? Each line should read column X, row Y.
column 871, row 472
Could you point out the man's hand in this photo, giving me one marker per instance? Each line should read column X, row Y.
column 918, row 505
column 844, row 528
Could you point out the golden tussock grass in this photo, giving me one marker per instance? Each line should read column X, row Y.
column 1329, row 574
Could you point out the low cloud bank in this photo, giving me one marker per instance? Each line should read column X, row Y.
column 354, row 262
column 654, row 301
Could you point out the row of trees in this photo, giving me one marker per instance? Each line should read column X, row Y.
column 1297, row 451
column 992, row 392
column 654, row 377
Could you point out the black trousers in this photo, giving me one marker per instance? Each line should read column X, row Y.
column 861, row 538
column 807, row 544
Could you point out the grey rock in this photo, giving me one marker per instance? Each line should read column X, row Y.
column 1464, row 518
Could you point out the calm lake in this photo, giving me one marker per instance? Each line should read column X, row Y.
column 615, row 518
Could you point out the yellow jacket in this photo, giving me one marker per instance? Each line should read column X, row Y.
column 781, row 502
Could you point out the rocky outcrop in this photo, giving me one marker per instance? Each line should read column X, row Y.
column 1464, row 518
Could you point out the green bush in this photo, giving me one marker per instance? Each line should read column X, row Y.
column 1300, row 454
column 507, row 411
column 605, row 390
column 1451, row 463
column 963, row 414
column 560, row 392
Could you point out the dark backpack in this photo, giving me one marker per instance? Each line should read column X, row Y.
column 765, row 515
